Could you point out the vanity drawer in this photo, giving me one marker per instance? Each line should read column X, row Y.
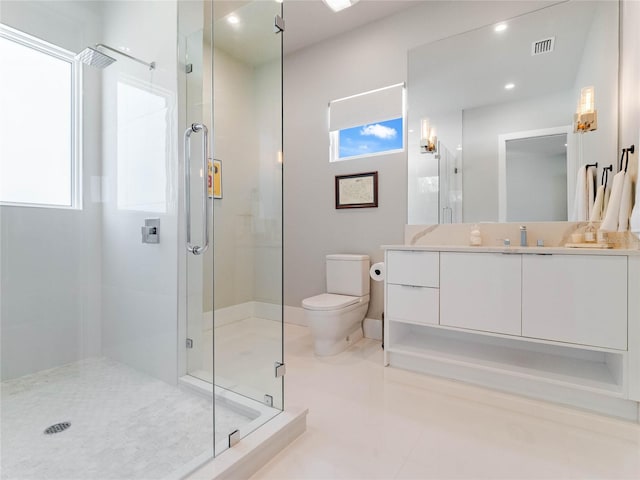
column 413, row 304
column 410, row 267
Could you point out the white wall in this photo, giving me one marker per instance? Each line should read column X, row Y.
column 140, row 286
column 601, row 145
column 50, row 258
column 629, row 132
column 235, row 144
column 369, row 57
column 247, row 219
column 629, row 116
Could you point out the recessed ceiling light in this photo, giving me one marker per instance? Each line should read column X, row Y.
column 233, row 20
column 509, row 86
column 501, row 27
column 337, row 5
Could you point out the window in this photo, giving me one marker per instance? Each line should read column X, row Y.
column 39, row 133
column 142, row 151
column 367, row 124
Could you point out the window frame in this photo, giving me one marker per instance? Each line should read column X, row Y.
column 75, row 161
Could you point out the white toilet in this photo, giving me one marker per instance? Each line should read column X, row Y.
column 336, row 317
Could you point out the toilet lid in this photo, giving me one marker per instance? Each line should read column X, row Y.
column 329, row 301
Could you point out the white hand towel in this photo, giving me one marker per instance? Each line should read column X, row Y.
column 610, row 222
column 591, row 194
column 596, row 212
column 607, row 195
column 625, row 204
column 580, row 202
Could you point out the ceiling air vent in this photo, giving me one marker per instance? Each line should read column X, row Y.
column 543, row 46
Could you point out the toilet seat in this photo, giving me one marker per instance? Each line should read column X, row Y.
column 330, row 301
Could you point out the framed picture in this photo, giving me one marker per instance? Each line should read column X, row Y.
column 359, row 190
column 214, row 180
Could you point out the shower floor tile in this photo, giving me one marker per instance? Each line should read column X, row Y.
column 124, row 424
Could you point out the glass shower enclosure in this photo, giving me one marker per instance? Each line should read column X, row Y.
column 231, row 79
column 129, row 348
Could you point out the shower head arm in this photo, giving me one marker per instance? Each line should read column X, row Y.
column 151, row 65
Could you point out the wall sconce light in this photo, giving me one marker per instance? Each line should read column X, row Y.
column 586, row 117
column 428, row 139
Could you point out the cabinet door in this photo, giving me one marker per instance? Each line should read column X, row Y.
column 481, row 291
column 576, row 299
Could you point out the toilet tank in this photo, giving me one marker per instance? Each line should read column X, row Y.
column 348, row 274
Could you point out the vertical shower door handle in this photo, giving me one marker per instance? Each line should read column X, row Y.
column 195, row 128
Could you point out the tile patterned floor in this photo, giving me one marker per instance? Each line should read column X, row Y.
column 124, row 424
column 370, row 422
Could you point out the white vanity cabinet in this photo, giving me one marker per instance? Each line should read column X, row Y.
column 481, row 291
column 579, row 299
column 412, row 287
column 547, row 323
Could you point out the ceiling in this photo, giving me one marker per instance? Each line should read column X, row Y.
column 311, row 21
column 470, row 70
column 308, row 22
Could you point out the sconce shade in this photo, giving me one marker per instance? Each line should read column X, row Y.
column 428, row 139
column 586, row 117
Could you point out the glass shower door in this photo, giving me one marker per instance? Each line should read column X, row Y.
column 234, row 330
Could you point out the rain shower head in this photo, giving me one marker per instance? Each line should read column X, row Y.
column 95, row 58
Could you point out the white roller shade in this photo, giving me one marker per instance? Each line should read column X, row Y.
column 377, row 105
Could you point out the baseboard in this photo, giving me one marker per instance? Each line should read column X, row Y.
column 372, row 328
column 295, row 316
column 227, row 315
column 269, row 311
column 235, row 313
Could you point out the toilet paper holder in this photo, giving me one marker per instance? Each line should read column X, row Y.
column 376, row 272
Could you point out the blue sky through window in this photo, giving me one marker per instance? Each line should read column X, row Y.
column 371, row 138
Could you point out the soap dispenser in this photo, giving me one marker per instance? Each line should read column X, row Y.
column 475, row 239
column 590, row 233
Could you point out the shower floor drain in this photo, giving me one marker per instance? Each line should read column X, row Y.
column 57, row 428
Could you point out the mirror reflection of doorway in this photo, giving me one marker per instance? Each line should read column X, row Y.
column 536, row 170
column 536, row 175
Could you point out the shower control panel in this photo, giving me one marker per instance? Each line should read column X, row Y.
column 151, row 230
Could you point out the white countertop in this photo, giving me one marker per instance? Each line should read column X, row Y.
column 515, row 249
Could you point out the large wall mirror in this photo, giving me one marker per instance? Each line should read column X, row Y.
column 501, row 102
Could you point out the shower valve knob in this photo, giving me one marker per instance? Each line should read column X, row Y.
column 151, row 230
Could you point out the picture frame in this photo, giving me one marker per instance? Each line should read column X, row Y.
column 214, row 180
column 357, row 190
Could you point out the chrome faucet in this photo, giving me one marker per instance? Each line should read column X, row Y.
column 523, row 236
